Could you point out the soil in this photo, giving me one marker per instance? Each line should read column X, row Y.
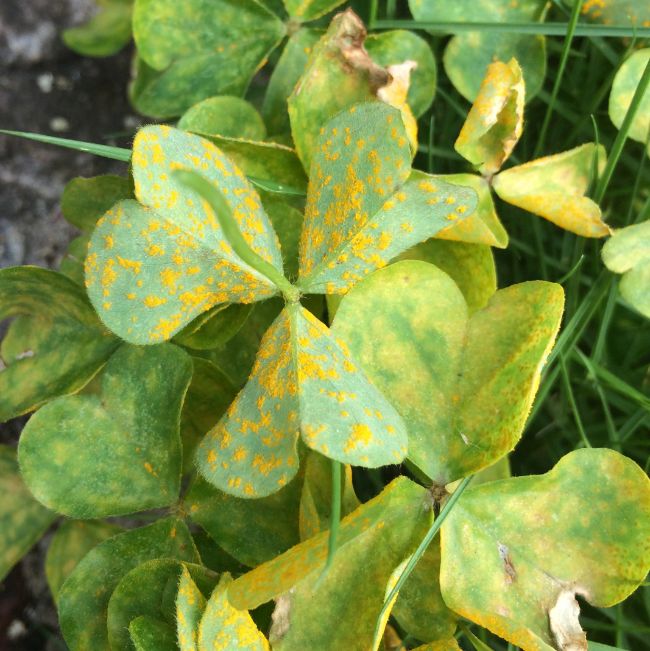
column 48, row 89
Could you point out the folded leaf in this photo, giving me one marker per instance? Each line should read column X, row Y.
column 362, row 207
column 303, row 382
column 202, row 48
column 623, row 88
column 83, row 599
column 471, row 380
column 59, row 346
column 516, row 551
column 224, row 115
column 150, row 590
column 310, row 9
column 190, row 604
column 495, row 122
column 336, row 610
column 117, row 452
column 215, row 327
column 627, row 252
column 71, row 542
column 22, row 519
column 554, row 187
column 225, row 627
column 153, row 268
column 150, row 634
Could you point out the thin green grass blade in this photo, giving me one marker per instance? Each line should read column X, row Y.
column 335, row 514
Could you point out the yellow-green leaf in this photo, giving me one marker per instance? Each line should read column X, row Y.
column 190, row 604
column 627, row 252
column 150, row 634
column 516, row 551
column 306, row 10
column 153, row 266
column 495, row 122
column 303, row 382
column 554, row 187
column 22, row 519
column 471, row 380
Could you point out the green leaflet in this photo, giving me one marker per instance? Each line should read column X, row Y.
column 443, row 645
column 149, row 634
column 471, row 381
column 208, row 396
column 468, row 55
column 285, row 76
column 71, row 542
column 85, row 200
column 190, row 604
column 339, row 73
column 287, row 222
column 130, row 459
column 150, row 589
column 252, row 531
column 495, row 122
column 395, row 47
column 514, row 552
column 224, row 115
column 627, row 252
column 74, row 259
column 66, row 344
column 554, row 187
column 377, row 537
column 83, row 599
column 22, row 519
column 316, row 495
column 471, row 267
column 199, row 49
column 625, row 84
column 105, row 33
column 362, row 207
column 303, row 382
column 215, row 327
column 153, row 268
column 617, row 12
column 310, row 9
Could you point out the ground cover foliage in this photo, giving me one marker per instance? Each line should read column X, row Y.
column 362, row 345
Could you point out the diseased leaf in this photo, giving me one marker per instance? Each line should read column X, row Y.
column 554, row 187
column 71, row 542
column 190, row 604
column 394, row 48
column 150, row 589
column 471, row 381
column 252, row 531
column 516, row 551
column 200, row 49
column 63, row 343
column 362, row 207
column 153, row 268
column 85, row 200
column 310, row 9
column 150, row 634
column 22, row 519
column 106, row 33
column 316, row 496
column 623, row 88
column 495, row 122
column 117, row 452
column 303, row 382
column 616, row 12
column 470, row 266
column 338, row 61
column 83, row 599
column 225, row 627
column 285, row 76
column 377, row 537
column 627, row 252
column 224, row 115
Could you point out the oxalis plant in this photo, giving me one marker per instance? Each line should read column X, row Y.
column 245, row 329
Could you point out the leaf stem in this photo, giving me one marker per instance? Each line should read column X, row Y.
column 233, row 235
column 422, row 547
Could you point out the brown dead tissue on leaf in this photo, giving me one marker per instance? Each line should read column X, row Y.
column 350, row 38
column 281, row 617
column 565, row 624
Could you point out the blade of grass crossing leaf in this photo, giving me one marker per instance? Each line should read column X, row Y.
column 622, row 135
column 213, row 196
column 372, row 17
column 275, row 188
column 572, row 403
column 417, row 554
column 603, row 329
column 335, row 513
column 473, row 640
column 566, row 48
column 116, row 153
